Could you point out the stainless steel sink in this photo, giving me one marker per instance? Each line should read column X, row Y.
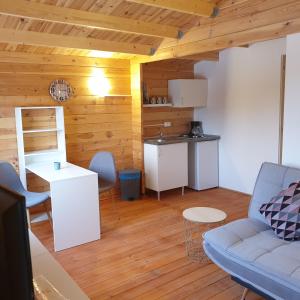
column 158, row 141
column 161, row 140
column 176, row 139
column 166, row 139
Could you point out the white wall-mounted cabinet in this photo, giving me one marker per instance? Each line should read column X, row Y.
column 166, row 166
column 188, row 92
column 51, row 154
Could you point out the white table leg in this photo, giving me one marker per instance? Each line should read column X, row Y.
column 245, row 292
column 75, row 211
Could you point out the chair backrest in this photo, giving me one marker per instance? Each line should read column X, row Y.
column 9, row 177
column 272, row 178
column 103, row 163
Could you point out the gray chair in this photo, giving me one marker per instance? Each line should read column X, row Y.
column 10, row 179
column 249, row 250
column 103, row 163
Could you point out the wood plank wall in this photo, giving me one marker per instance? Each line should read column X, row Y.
column 92, row 123
column 136, row 79
column 137, row 117
column 156, row 76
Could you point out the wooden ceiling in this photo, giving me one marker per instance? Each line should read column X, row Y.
column 137, row 30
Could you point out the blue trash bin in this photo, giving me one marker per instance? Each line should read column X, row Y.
column 130, row 184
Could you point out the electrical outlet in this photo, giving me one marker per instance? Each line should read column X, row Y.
column 167, row 124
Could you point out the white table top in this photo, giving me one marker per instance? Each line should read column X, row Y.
column 204, row 215
column 46, row 171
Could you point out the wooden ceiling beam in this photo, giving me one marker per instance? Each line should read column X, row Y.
column 263, row 25
column 281, row 13
column 62, row 60
column 201, row 8
column 51, row 13
column 258, row 34
column 209, row 56
column 73, row 42
column 229, row 3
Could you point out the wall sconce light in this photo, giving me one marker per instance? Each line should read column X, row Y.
column 98, row 84
column 101, row 54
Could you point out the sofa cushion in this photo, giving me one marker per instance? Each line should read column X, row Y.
column 253, row 245
column 282, row 213
column 271, row 179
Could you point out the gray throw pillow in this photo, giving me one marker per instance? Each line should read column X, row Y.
column 282, row 213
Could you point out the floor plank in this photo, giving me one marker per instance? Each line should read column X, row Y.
column 141, row 254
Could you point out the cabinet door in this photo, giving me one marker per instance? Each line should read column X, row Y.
column 207, row 165
column 151, row 166
column 172, row 166
column 188, row 92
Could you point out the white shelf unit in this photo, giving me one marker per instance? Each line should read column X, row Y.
column 41, row 130
column 47, row 155
column 40, row 152
column 158, row 105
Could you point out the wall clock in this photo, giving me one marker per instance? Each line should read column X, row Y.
column 60, row 90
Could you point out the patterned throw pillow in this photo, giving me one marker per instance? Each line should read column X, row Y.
column 283, row 213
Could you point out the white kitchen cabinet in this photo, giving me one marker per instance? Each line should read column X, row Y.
column 188, row 92
column 166, row 166
column 203, row 165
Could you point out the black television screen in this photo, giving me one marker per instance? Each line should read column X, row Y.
column 15, row 259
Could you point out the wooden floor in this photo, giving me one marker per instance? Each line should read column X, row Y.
column 141, row 254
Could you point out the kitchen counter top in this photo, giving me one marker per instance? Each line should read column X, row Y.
column 181, row 139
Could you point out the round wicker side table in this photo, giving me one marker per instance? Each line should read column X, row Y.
column 197, row 220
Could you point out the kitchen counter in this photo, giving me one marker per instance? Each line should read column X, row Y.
column 181, row 139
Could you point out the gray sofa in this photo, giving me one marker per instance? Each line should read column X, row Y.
column 250, row 251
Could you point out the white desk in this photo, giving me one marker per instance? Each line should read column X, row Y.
column 74, row 202
column 44, row 264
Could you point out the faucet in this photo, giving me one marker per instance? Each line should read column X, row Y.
column 161, row 134
column 161, row 126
